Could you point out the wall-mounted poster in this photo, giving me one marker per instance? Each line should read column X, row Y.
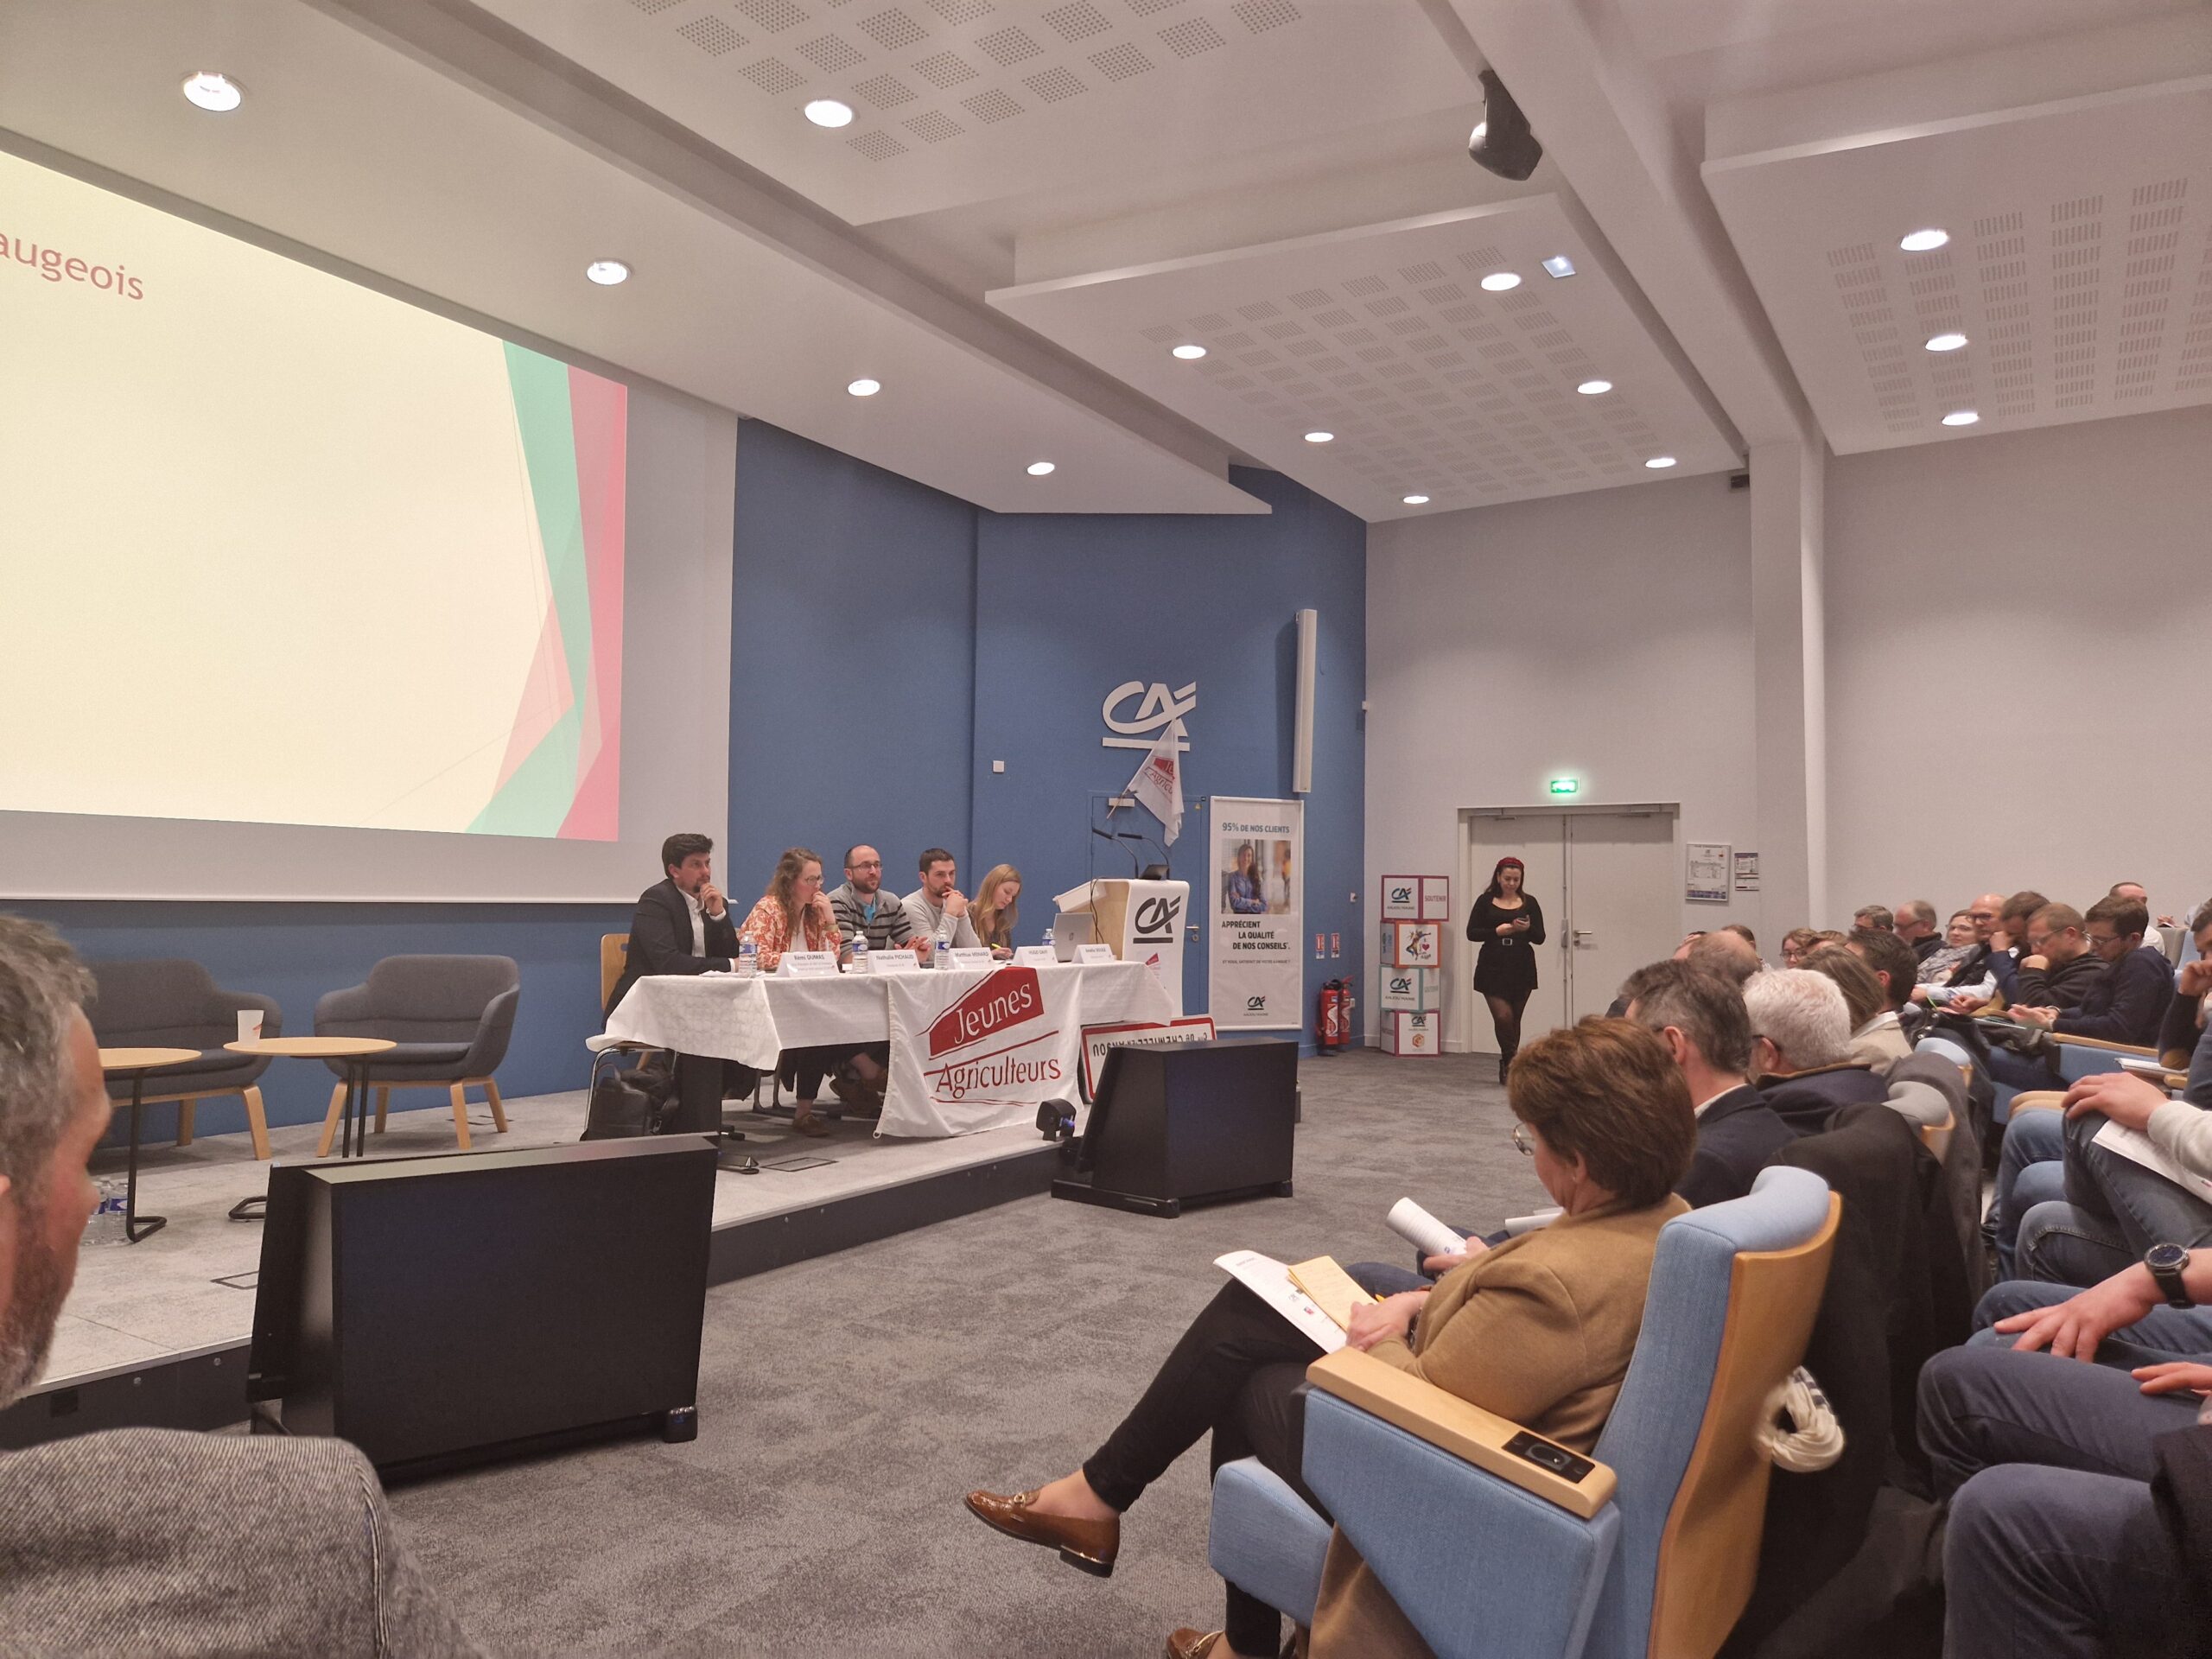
column 1257, row 913
column 1709, row 870
column 1747, row 872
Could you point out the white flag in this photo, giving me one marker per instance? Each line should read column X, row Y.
column 1158, row 784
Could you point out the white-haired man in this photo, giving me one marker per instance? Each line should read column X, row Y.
column 148, row 1540
column 1801, row 1048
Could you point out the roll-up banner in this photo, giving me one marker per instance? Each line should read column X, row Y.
column 1257, row 913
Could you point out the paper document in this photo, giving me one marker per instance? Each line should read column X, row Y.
column 1328, row 1287
column 1269, row 1280
column 1422, row 1231
column 2137, row 1147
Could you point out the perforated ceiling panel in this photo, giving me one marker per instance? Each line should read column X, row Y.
column 1386, row 338
column 962, row 100
column 2079, row 268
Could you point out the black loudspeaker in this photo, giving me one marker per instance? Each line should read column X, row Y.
column 1199, row 1122
column 436, row 1311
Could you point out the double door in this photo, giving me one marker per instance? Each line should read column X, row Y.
column 1609, row 883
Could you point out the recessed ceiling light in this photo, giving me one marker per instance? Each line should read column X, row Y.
column 1477, row 135
column 1946, row 342
column 1190, row 353
column 865, row 388
column 1961, row 417
column 1320, row 438
column 829, row 112
column 607, row 272
column 1592, row 388
column 1923, row 241
column 1498, row 281
column 1558, row 265
column 212, row 91
column 1660, row 463
column 1415, row 500
column 1038, row 468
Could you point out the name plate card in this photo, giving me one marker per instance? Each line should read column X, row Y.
column 897, row 960
column 807, row 964
column 1091, row 955
column 1035, row 955
column 971, row 955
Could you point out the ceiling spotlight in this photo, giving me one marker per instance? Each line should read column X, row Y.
column 1660, row 463
column 1923, row 241
column 1946, row 342
column 1558, row 265
column 1038, row 468
column 212, row 91
column 865, row 388
column 1498, row 281
column 1501, row 142
column 829, row 112
column 1320, row 438
column 1961, row 417
column 1594, row 388
column 1415, row 500
column 607, row 272
column 1190, row 353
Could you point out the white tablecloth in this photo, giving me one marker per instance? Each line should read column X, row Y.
column 753, row 1021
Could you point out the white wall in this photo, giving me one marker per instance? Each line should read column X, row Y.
column 1605, row 636
column 2017, row 628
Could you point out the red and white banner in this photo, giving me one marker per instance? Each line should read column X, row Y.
column 1137, row 1033
column 978, row 1050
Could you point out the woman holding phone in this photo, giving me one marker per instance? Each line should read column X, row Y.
column 1509, row 924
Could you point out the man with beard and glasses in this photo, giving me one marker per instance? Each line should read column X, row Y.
column 150, row 1540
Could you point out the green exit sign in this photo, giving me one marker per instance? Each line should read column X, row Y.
column 1565, row 786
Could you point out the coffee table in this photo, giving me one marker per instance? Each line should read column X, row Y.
column 138, row 1062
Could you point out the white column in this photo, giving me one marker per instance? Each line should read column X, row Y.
column 1789, row 678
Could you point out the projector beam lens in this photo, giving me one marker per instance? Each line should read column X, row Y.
column 865, row 388
column 1961, row 417
column 1040, row 468
column 1946, row 342
column 1499, row 281
column 1594, row 388
column 607, row 272
column 209, row 91
column 1924, row 241
column 829, row 112
column 1190, row 353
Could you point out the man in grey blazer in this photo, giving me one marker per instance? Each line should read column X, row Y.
column 148, row 1540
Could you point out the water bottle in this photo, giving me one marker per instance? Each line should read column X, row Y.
column 749, row 959
column 1048, row 939
column 941, row 956
column 107, row 1224
column 859, row 952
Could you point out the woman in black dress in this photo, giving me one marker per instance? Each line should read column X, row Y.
column 1507, row 922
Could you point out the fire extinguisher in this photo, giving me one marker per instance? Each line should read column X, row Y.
column 1333, row 1022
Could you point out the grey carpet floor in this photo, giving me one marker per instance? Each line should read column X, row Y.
column 847, row 1403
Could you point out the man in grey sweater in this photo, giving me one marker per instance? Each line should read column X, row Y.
column 147, row 1541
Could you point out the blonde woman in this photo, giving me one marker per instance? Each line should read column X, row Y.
column 994, row 910
column 794, row 914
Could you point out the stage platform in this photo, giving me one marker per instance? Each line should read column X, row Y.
column 156, row 1332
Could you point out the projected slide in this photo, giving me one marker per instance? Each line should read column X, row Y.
column 278, row 549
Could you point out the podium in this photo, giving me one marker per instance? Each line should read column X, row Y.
column 1140, row 921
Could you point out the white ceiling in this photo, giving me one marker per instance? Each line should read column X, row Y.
column 1384, row 336
column 1125, row 166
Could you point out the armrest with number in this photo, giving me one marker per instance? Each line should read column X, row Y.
column 2098, row 1042
column 1456, row 1426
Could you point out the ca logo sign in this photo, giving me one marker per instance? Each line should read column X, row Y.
column 1156, row 919
column 1256, row 1004
column 1160, row 709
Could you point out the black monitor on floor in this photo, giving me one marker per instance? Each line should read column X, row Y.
column 1197, row 1121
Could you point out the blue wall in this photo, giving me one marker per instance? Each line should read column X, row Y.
column 888, row 644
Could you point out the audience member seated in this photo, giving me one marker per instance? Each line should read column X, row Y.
column 937, row 908
column 1798, row 943
column 1699, row 1015
column 2008, row 942
column 1876, row 1038
column 143, row 1541
column 794, row 914
column 1951, row 952
column 1970, row 983
column 1916, row 928
column 1801, row 1048
column 2162, row 934
column 2054, row 1546
column 864, row 910
column 1539, row 1330
column 1896, row 969
column 1875, row 918
column 995, row 911
column 2126, row 1003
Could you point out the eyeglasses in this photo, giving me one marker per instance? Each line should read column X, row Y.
column 1524, row 1142
column 867, row 864
column 1981, row 915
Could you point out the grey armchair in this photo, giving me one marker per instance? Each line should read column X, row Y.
column 451, row 1017
column 175, row 1003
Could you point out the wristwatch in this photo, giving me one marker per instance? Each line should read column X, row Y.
column 2166, row 1263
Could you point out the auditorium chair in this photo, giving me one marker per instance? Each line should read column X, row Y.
column 451, row 1017
column 1653, row 1551
column 173, row 1004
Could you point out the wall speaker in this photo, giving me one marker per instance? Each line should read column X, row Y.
column 1301, row 762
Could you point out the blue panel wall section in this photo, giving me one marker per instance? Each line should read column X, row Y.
column 852, row 648
column 295, row 952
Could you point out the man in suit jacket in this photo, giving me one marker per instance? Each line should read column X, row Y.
column 1700, row 1016
column 682, row 924
column 146, row 1541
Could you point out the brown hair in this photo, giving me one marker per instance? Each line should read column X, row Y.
column 785, row 881
column 1886, row 953
column 1801, row 939
column 991, row 922
column 1606, row 1091
column 1862, row 992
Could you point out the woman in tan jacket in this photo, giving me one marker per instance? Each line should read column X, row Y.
column 1539, row 1330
